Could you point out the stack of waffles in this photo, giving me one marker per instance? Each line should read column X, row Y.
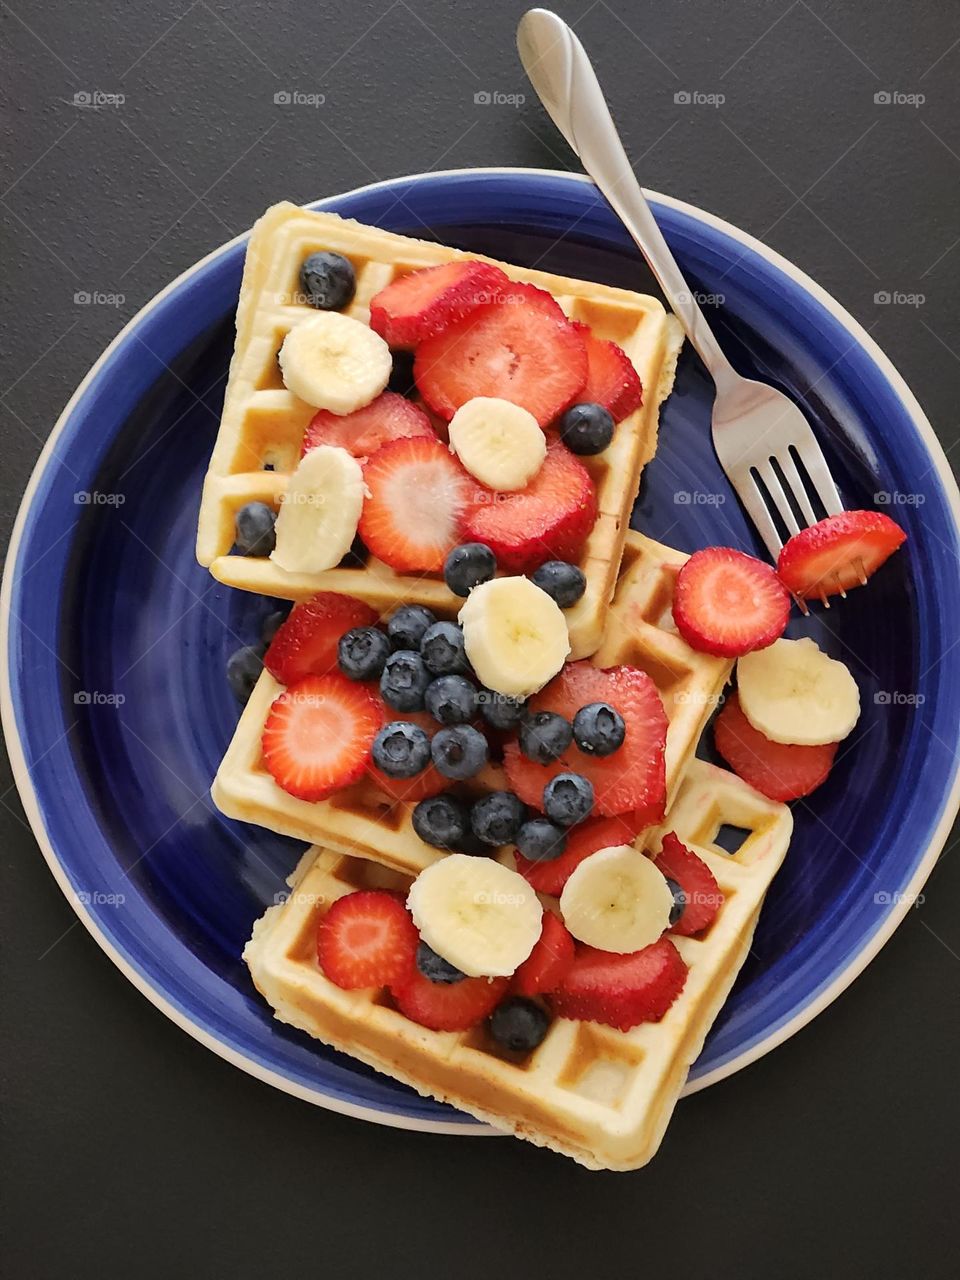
column 599, row 1095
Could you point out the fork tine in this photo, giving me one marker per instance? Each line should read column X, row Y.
column 799, row 490
column 811, row 455
column 779, row 498
column 752, row 499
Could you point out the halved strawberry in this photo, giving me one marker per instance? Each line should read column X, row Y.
column 548, row 520
column 318, row 735
column 428, row 783
column 780, row 771
column 582, row 841
column 728, row 603
column 611, row 378
column 421, row 304
column 367, row 939
column 306, row 644
column 548, row 962
column 631, row 779
column 361, row 433
column 519, row 347
column 418, row 493
column 621, row 990
column 831, row 555
column 448, row 1006
column 703, row 895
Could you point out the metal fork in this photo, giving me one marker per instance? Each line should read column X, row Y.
column 759, row 434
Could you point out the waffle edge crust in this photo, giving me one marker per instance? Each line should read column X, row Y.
column 262, row 424
column 601, row 1096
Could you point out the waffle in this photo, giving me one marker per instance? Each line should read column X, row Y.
column 602, row 1096
column 362, row 820
column 258, row 444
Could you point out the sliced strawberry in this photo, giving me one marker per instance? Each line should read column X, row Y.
column 621, row 990
column 318, row 735
column 306, row 644
column 519, row 347
column 448, row 1006
column 633, row 778
column 703, row 895
column 838, row 553
column 412, row 790
column 548, row 520
column 728, row 603
column 419, row 305
column 361, row 433
column 367, row 939
column 418, row 493
column 611, row 378
column 548, row 962
column 780, row 771
column 582, row 840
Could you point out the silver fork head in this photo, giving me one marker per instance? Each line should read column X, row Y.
column 765, row 445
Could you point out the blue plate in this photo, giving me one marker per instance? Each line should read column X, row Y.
column 117, row 711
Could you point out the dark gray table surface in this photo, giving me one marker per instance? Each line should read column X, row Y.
column 131, row 1150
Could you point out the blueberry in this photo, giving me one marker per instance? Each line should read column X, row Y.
column 401, row 749
column 272, row 624
column 406, row 627
column 401, row 375
column 564, row 582
column 497, row 817
column 451, row 699
column 459, row 752
column 441, row 821
column 568, row 799
column 435, row 968
column 545, row 736
column 243, row 671
column 327, row 281
column 519, row 1024
column 586, row 428
column 599, row 729
column 404, row 681
column 501, row 711
column 442, row 649
column 679, row 900
column 467, row 566
column 362, row 652
column 541, row 841
column 254, row 534
column 356, row 557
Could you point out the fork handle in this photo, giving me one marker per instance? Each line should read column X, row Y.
column 563, row 76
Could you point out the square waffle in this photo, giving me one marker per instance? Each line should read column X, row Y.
column 362, row 820
column 599, row 1095
column 258, row 444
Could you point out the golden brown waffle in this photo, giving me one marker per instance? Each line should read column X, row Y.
column 602, row 1096
column 362, row 820
column 263, row 423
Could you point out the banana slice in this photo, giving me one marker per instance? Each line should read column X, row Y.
column 319, row 512
column 334, row 362
column 792, row 692
column 616, row 900
column 515, row 635
column 479, row 915
column 500, row 443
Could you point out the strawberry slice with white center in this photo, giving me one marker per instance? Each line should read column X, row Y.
column 417, row 494
column 306, row 643
column 367, row 939
column 520, row 347
column 611, row 378
column 632, row 779
column 318, row 735
column 423, row 303
column 727, row 603
column 361, row 433
column 838, row 553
